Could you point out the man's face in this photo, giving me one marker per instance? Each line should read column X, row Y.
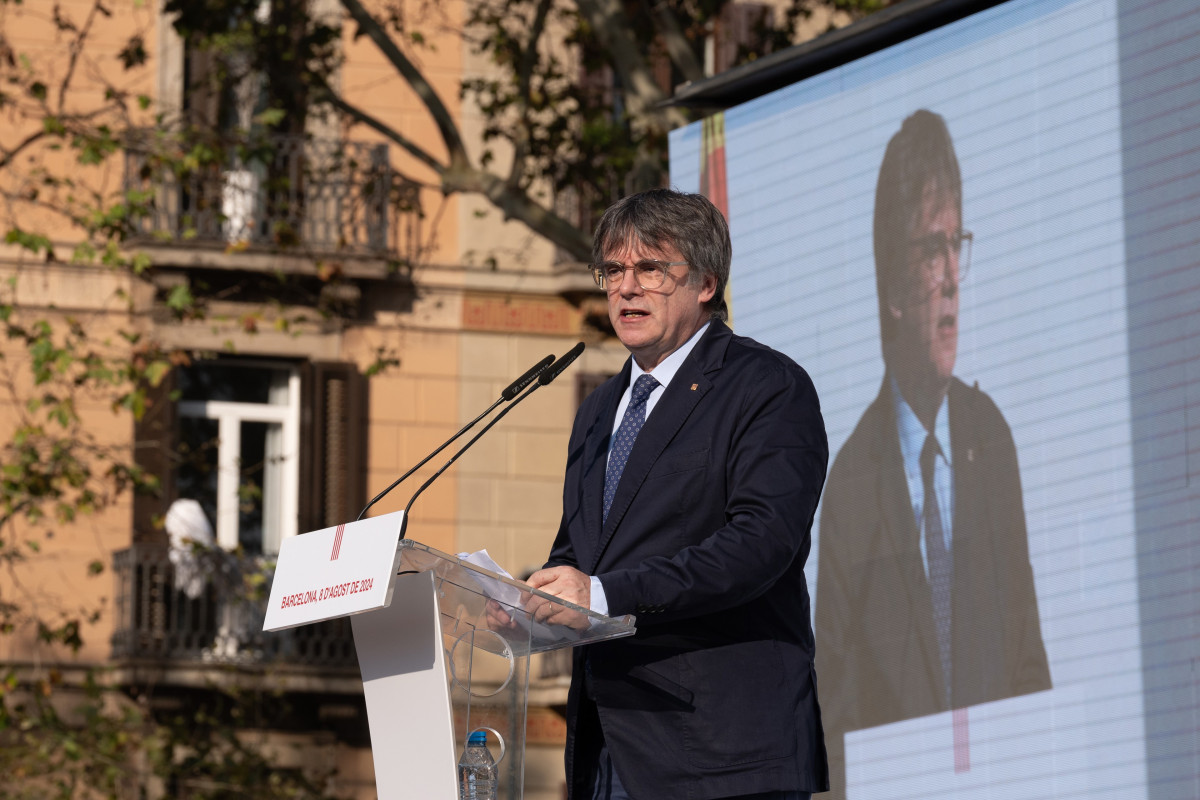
column 654, row 323
column 924, row 301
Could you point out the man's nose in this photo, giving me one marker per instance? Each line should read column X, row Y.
column 950, row 275
column 629, row 283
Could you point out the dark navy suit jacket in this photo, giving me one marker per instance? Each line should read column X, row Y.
column 878, row 645
column 705, row 542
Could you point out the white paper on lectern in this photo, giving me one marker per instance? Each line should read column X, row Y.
column 497, row 590
column 346, row 569
column 506, row 594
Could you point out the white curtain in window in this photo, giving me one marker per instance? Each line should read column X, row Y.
column 273, row 469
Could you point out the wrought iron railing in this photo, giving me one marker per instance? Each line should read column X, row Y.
column 282, row 192
column 202, row 609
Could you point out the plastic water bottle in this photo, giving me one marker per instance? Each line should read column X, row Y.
column 477, row 771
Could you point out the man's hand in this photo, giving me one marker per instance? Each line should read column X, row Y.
column 567, row 583
column 499, row 619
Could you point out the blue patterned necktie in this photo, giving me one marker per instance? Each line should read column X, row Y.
column 631, row 423
column 941, row 561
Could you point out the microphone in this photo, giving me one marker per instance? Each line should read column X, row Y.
column 556, row 369
column 511, row 391
column 547, row 375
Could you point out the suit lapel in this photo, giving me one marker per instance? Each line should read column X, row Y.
column 963, row 449
column 596, row 462
column 671, row 411
column 971, row 656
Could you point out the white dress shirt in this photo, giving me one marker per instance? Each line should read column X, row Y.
column 663, row 373
column 912, row 440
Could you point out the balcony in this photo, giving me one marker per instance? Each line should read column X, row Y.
column 198, row 617
column 306, row 195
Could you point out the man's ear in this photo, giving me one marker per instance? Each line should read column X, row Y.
column 708, row 288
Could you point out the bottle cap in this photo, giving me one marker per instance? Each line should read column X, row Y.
column 477, row 738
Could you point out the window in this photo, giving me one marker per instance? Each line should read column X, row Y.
column 239, row 442
column 269, row 448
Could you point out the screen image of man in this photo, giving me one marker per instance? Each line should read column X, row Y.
column 925, row 594
column 691, row 484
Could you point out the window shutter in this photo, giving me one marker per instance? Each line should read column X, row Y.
column 155, row 438
column 333, row 452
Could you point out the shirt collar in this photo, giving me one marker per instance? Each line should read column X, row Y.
column 912, row 432
column 666, row 370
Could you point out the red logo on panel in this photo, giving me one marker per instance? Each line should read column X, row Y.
column 337, row 543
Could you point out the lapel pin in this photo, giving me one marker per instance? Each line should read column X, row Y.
column 695, row 386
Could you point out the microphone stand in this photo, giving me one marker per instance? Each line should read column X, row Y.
column 508, row 394
column 549, row 374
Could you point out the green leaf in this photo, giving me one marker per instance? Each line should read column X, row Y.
column 84, row 253
column 53, row 126
column 133, row 54
column 156, row 371
column 270, row 117
column 180, row 299
column 33, row 242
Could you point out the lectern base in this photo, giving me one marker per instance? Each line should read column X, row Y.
column 450, row 655
column 405, row 685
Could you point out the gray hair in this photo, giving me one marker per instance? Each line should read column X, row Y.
column 661, row 218
column 921, row 153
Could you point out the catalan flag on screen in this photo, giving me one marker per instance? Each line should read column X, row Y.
column 712, row 176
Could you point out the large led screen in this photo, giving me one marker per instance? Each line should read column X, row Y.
column 984, row 245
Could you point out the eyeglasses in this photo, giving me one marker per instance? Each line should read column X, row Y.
column 649, row 273
column 929, row 258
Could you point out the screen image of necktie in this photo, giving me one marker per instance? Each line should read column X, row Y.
column 941, row 563
column 631, row 423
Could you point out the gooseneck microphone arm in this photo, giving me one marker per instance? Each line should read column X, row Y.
column 549, row 374
column 511, row 391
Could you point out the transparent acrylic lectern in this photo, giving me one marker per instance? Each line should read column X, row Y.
column 449, row 655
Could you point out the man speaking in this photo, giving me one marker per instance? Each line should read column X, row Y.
column 925, row 593
column 691, row 483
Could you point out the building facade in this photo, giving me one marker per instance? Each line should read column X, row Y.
column 352, row 321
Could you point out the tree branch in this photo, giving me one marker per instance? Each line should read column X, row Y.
column 529, row 59
column 510, row 199
column 75, row 50
column 608, row 22
column 369, row 26
column 391, row 133
column 516, row 204
column 676, row 42
column 9, row 155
